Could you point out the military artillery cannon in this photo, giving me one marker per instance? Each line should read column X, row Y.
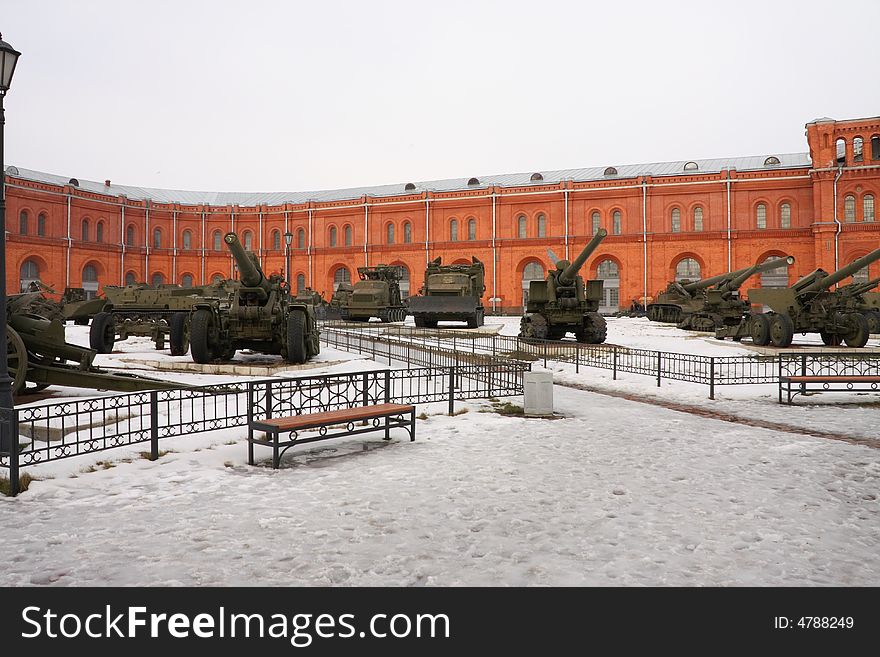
column 858, row 296
column 38, row 353
column 709, row 303
column 259, row 315
column 564, row 303
column 450, row 293
column 808, row 306
column 376, row 294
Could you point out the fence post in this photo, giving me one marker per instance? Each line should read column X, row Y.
column 14, row 483
column 452, row 390
column 545, row 355
column 154, row 425
column 711, row 377
column 577, row 359
column 366, row 398
column 659, row 364
column 779, row 376
column 614, row 364
column 389, row 352
column 268, row 399
column 803, row 373
column 387, row 386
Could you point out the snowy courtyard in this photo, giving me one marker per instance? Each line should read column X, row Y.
column 612, row 491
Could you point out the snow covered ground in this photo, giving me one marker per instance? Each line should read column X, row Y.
column 614, row 492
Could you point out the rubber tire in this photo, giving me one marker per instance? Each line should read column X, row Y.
column 859, row 336
column 296, row 338
column 873, row 318
column 781, row 330
column 179, row 334
column 830, row 339
column 759, row 329
column 102, row 334
column 200, row 336
column 17, row 360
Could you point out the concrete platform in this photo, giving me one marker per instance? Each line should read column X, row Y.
column 236, row 368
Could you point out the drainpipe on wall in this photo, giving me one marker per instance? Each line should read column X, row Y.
column 729, row 245
column 645, row 240
column 67, row 270
column 309, row 252
column 565, row 195
column 231, row 230
column 428, row 229
column 147, row 251
column 261, row 234
column 122, row 240
column 366, row 232
column 174, row 247
column 837, row 221
column 494, row 254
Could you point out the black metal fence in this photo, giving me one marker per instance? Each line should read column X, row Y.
column 49, row 432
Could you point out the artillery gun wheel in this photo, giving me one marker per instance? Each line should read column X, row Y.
column 593, row 330
column 830, row 339
column 102, row 334
column 858, row 335
column 179, row 334
column 873, row 319
column 203, row 351
column 296, row 337
column 533, row 328
column 16, row 359
column 781, row 330
column 759, row 330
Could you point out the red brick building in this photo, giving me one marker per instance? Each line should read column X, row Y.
column 682, row 218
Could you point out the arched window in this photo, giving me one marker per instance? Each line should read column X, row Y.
column 276, row 240
column 217, row 241
column 472, row 229
column 248, row 241
column 85, row 230
column 521, row 226
column 542, row 226
column 596, row 223
column 858, row 155
column 30, row 273
column 687, row 269
column 300, row 238
column 785, row 216
column 187, row 280
column 130, row 278
column 41, row 224
column 676, row 220
column 861, row 276
column 23, row 222
column 300, row 283
column 609, row 272
column 90, row 281
column 775, row 277
column 99, row 232
column 157, row 239
column 849, row 208
column 691, row 166
column 453, row 230
column 616, row 222
column 332, row 235
column 217, row 278
column 875, row 147
column 531, row 272
column 698, row 219
column 407, row 232
column 158, row 279
column 404, row 281
column 840, row 146
column 129, row 236
column 389, row 234
column 341, row 275
column 868, row 207
column 187, row 240
column 761, row 216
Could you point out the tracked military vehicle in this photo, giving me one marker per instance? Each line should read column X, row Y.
column 710, row 303
column 376, row 294
column 808, row 306
column 450, row 293
column 564, row 303
column 259, row 315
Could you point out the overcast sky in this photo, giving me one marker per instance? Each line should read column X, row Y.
column 294, row 96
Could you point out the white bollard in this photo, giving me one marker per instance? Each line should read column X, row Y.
column 538, row 394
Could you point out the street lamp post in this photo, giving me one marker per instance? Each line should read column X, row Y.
column 8, row 60
column 288, row 238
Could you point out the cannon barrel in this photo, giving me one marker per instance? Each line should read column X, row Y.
column 854, row 289
column 837, row 276
column 569, row 273
column 703, row 283
column 737, row 281
column 250, row 273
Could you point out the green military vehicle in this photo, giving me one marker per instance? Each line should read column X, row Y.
column 564, row 303
column 376, row 294
column 450, row 293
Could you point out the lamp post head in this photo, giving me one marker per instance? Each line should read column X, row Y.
column 288, row 238
column 8, row 59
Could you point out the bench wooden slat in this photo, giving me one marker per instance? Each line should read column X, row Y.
column 833, row 379
column 307, row 420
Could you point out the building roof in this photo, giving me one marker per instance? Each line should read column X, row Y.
column 753, row 163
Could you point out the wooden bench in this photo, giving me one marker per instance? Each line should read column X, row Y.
column 395, row 416
column 798, row 385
